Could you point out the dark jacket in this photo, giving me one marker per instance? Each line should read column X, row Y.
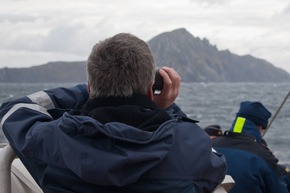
column 109, row 144
column 252, row 165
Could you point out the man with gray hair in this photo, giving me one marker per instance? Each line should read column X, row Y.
column 115, row 134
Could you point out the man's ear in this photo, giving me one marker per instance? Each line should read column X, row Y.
column 150, row 91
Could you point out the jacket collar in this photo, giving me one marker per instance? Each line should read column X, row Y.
column 246, row 127
column 239, row 135
column 135, row 100
column 138, row 111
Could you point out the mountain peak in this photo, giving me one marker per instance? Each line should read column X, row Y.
column 195, row 59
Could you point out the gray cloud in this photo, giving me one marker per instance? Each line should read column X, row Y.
column 15, row 18
column 43, row 31
column 286, row 11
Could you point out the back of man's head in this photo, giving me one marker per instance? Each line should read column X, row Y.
column 120, row 66
column 255, row 112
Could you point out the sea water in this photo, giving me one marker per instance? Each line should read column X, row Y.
column 210, row 103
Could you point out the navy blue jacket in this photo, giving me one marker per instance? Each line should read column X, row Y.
column 101, row 146
column 252, row 165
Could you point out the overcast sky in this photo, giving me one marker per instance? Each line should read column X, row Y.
column 34, row 32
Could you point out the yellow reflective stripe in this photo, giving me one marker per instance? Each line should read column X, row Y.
column 239, row 125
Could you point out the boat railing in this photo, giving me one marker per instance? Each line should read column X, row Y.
column 14, row 177
column 7, row 156
column 227, row 184
column 2, row 145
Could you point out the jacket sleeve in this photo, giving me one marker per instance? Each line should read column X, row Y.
column 25, row 119
column 63, row 98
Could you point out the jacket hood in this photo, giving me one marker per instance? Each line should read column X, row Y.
column 120, row 153
column 242, row 125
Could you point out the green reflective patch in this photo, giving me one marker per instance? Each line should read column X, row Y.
column 239, row 125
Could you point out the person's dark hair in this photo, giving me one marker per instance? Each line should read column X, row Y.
column 120, row 66
column 213, row 130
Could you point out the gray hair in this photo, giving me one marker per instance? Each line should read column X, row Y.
column 120, row 66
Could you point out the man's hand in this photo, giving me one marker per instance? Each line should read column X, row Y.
column 170, row 91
